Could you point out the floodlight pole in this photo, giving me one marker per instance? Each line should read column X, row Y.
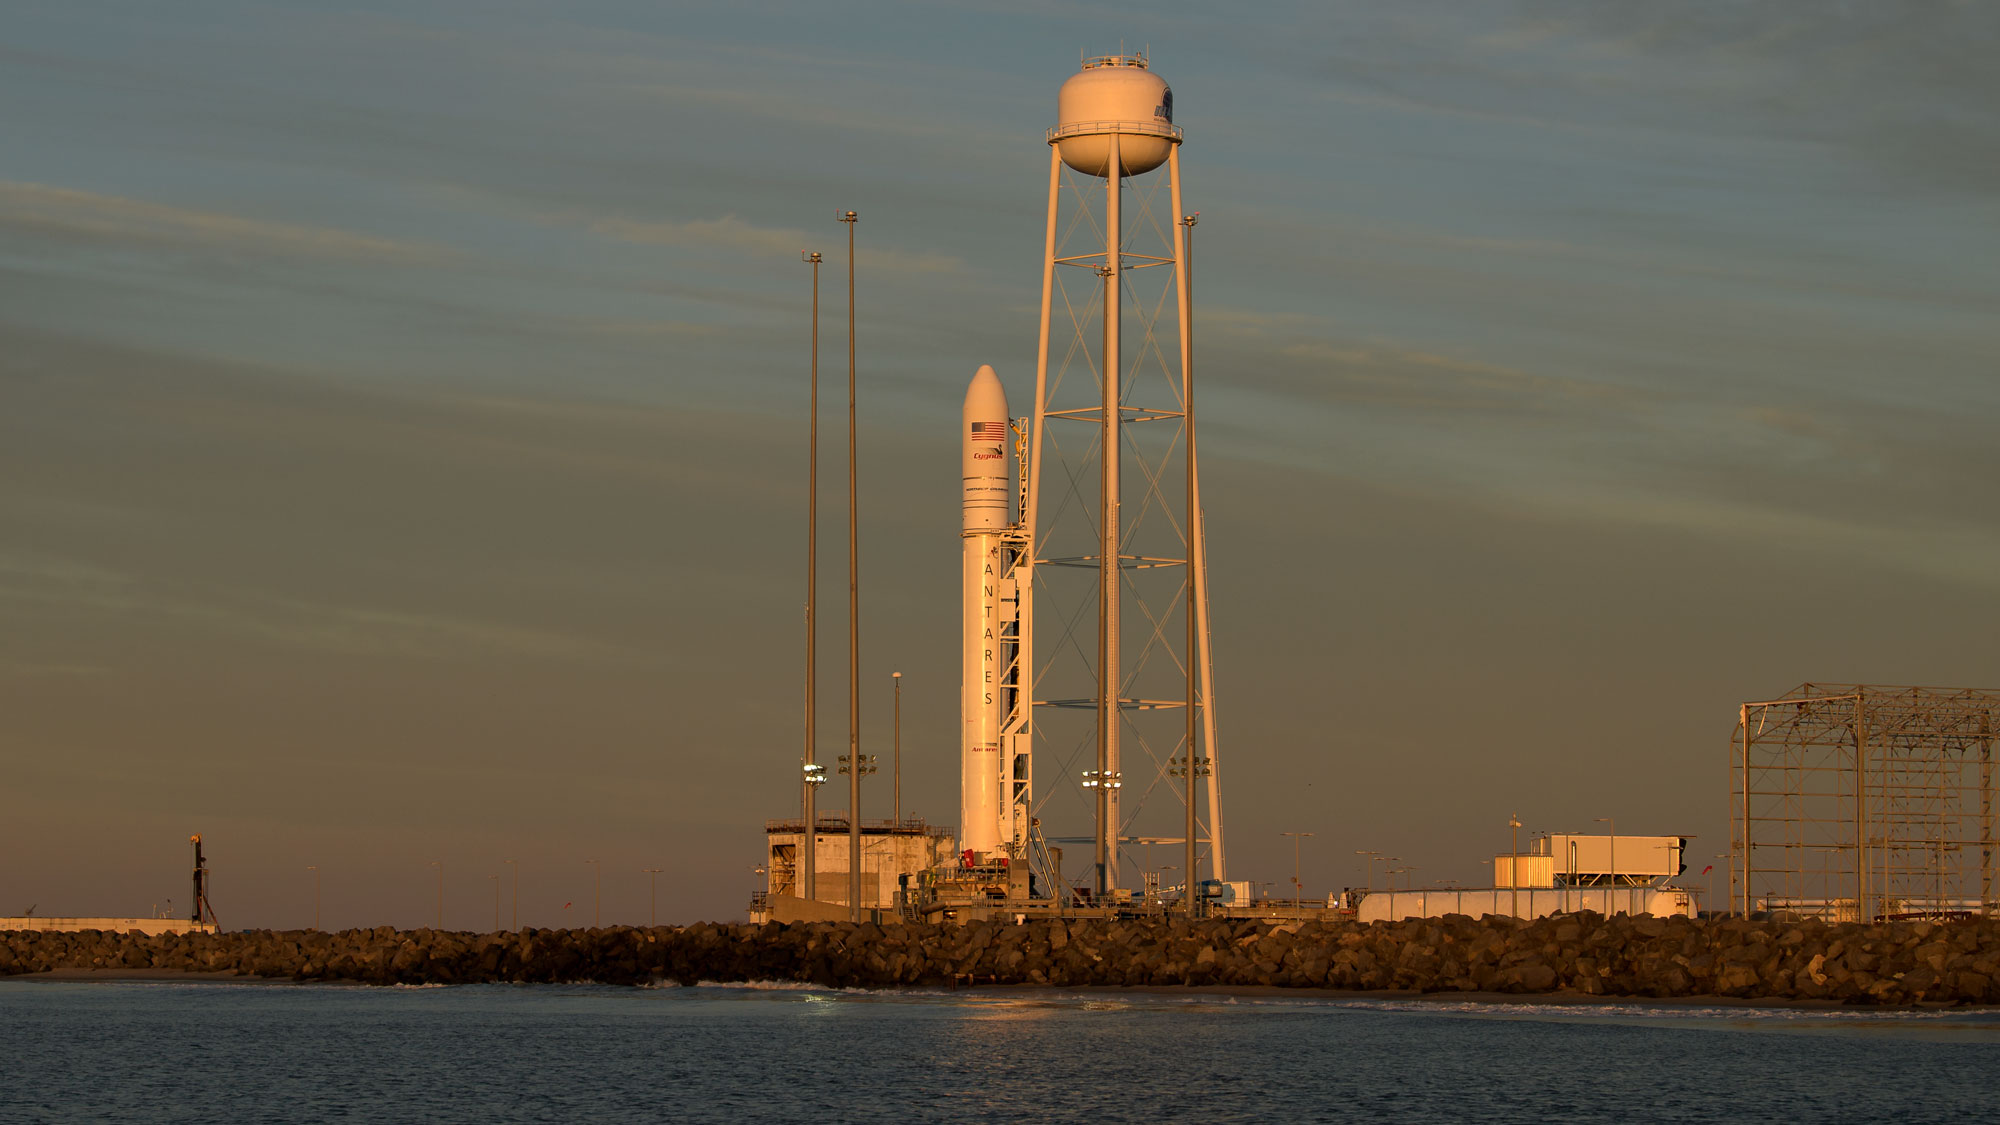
column 653, row 912
column 898, row 785
column 809, row 842
column 853, row 615
column 517, row 892
column 1514, row 861
column 1185, row 255
column 1298, row 888
column 1612, row 899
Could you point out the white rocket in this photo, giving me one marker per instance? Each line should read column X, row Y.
column 989, row 486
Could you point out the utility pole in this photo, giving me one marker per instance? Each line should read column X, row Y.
column 1514, row 861
column 1611, row 901
column 439, row 864
column 653, row 914
column 853, row 614
column 1298, row 888
column 315, row 870
column 597, row 894
column 517, row 891
column 898, row 765
column 814, row 775
column 1193, row 620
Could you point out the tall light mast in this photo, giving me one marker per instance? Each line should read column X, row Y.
column 814, row 774
column 1115, row 124
column 853, row 615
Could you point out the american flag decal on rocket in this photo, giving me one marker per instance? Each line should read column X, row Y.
column 991, row 431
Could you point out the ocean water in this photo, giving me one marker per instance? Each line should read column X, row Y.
column 151, row 1051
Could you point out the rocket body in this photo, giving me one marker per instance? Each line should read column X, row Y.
column 989, row 485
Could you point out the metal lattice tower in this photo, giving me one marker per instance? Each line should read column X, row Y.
column 1852, row 802
column 1122, row 685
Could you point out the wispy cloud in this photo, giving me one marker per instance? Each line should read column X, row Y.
column 794, row 108
column 1387, row 374
column 1902, row 85
column 1962, row 554
column 732, row 233
column 68, row 587
column 68, row 213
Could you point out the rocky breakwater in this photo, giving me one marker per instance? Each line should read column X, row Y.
column 1890, row 963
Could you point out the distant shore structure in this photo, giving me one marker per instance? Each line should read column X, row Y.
column 151, row 927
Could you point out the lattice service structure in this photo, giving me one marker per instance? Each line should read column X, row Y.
column 1853, row 802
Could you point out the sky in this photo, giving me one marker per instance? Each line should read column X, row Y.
column 402, row 412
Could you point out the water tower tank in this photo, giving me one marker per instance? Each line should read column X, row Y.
column 1114, row 94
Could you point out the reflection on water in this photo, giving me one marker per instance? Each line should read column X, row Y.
column 217, row 1051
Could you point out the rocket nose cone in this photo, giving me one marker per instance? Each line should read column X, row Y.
column 984, row 439
column 985, row 397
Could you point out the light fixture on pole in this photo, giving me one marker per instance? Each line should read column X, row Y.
column 898, row 787
column 866, row 762
column 653, row 913
column 1188, row 768
column 1193, row 765
column 853, row 610
column 814, row 776
column 1572, row 880
column 315, row 870
column 1369, row 863
column 1514, row 860
column 1298, row 888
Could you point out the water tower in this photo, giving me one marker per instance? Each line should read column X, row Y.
column 1122, row 698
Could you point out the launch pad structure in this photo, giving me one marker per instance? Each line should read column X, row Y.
column 1088, row 658
column 1853, row 802
column 1086, row 653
